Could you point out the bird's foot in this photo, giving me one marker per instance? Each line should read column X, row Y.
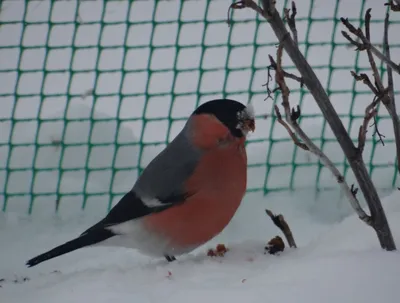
column 170, row 258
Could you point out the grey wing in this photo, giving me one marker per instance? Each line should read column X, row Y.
column 159, row 187
column 161, row 183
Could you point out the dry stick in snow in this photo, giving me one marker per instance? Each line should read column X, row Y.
column 291, row 119
column 354, row 157
column 281, row 223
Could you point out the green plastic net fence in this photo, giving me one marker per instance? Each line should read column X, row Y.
column 92, row 90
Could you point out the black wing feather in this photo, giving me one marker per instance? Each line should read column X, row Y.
column 130, row 207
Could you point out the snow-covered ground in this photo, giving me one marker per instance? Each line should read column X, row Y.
column 339, row 262
column 338, row 259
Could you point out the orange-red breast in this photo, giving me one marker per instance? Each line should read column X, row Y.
column 186, row 195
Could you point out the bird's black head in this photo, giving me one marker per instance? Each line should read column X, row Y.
column 238, row 118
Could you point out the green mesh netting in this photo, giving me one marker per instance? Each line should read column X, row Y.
column 91, row 91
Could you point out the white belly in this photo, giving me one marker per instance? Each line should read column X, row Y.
column 132, row 234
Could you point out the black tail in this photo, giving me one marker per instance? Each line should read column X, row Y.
column 86, row 239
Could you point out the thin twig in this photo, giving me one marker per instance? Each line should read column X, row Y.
column 377, row 132
column 378, row 219
column 291, row 20
column 386, row 50
column 272, row 66
column 369, row 114
column 359, row 46
column 365, row 79
column 285, row 74
column 378, row 81
column 389, row 102
column 296, row 141
column 291, row 119
column 368, row 24
column 394, row 5
column 269, row 78
column 281, row 223
column 366, row 44
column 243, row 4
column 354, row 190
column 379, row 96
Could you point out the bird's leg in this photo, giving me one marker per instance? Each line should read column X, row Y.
column 170, row 258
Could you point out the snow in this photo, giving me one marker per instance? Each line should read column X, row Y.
column 338, row 259
column 339, row 262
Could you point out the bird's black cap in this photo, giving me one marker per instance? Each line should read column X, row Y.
column 226, row 111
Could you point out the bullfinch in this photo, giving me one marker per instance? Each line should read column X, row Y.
column 186, row 195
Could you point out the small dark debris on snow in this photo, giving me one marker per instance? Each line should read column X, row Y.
column 17, row 280
column 275, row 245
column 56, row 272
column 220, row 251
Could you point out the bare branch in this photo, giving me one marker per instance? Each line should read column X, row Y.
column 368, row 24
column 290, row 132
column 269, row 78
column 291, row 20
column 378, row 81
column 281, row 223
column 244, row 4
column 394, row 5
column 285, row 74
column 378, row 218
column 291, row 118
column 381, row 94
column 365, row 79
column 359, row 46
column 386, row 50
column 369, row 114
column 389, row 102
column 354, row 190
column 394, row 66
column 272, row 66
column 366, row 44
column 377, row 132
